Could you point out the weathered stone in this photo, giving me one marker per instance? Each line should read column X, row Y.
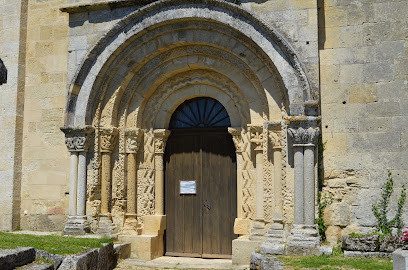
column 363, row 243
column 86, row 260
column 12, row 258
column 400, row 259
column 390, row 243
column 368, row 254
column 38, row 266
column 264, row 262
column 122, row 251
column 55, row 258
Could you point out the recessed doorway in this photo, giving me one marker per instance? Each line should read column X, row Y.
column 200, row 181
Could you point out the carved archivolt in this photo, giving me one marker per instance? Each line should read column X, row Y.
column 203, row 77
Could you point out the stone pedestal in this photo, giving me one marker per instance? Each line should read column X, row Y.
column 131, row 226
column 258, row 230
column 106, row 226
column 303, row 240
column 144, row 247
column 242, row 249
column 400, row 259
column 77, row 225
column 275, row 241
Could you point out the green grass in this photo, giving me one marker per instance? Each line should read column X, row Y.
column 55, row 244
column 335, row 262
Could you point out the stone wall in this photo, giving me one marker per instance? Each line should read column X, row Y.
column 45, row 158
column 12, row 53
column 362, row 46
column 363, row 76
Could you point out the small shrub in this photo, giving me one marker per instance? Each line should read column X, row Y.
column 323, row 203
column 353, row 234
column 381, row 209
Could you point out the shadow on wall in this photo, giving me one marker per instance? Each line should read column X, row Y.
column 3, row 73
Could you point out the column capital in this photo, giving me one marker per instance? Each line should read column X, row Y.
column 256, row 136
column 274, row 129
column 160, row 139
column 304, row 129
column 108, row 139
column 77, row 138
column 133, row 137
column 236, row 138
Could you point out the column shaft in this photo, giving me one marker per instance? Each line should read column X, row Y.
column 131, row 184
column 73, row 176
column 309, row 185
column 81, row 191
column 299, row 187
column 239, row 185
column 259, row 186
column 277, row 172
column 159, row 186
column 105, row 182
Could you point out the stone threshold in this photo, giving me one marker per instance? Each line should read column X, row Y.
column 167, row 262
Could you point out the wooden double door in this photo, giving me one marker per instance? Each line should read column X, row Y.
column 200, row 193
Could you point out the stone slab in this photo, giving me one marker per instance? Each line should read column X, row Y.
column 242, row 249
column 144, row 247
column 12, row 258
column 368, row 254
column 400, row 259
column 54, row 258
column 154, row 225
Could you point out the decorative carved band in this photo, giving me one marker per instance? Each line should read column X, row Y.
column 257, row 137
column 133, row 137
column 108, row 139
column 236, row 138
column 77, row 139
column 160, row 139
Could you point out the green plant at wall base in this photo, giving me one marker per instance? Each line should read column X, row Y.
column 381, row 209
column 323, row 203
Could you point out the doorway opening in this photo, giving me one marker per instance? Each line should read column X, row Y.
column 200, row 181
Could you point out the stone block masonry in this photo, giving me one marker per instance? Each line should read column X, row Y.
column 363, row 91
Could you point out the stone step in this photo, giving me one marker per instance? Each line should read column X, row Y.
column 179, row 263
column 37, row 266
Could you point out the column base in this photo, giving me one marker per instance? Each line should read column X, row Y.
column 275, row 241
column 144, row 247
column 242, row 249
column 303, row 240
column 258, row 230
column 106, row 226
column 132, row 225
column 77, row 225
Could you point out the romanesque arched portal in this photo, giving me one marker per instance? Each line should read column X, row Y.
column 129, row 84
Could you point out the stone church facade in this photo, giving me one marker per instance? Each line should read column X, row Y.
column 314, row 94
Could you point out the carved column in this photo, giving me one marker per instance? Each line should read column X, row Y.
column 160, row 139
column 304, row 235
column 275, row 243
column 107, row 144
column 258, row 229
column 241, row 224
column 133, row 137
column 77, row 142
